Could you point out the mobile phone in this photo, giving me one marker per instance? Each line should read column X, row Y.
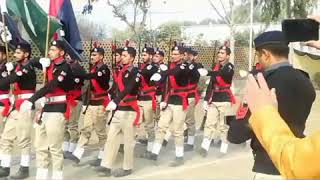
column 300, row 30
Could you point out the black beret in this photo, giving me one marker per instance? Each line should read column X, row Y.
column 98, row 50
column 148, row 50
column 118, row 50
column 132, row 51
column 160, row 52
column 24, row 47
column 59, row 44
column 181, row 49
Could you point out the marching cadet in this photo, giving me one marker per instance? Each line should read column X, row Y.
column 74, row 97
column 49, row 132
column 174, row 105
column 125, row 118
column 5, row 103
column 115, row 71
column 19, row 123
column 217, row 100
column 147, row 95
column 94, row 111
column 193, row 97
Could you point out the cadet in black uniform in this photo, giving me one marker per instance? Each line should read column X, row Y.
column 295, row 95
column 217, row 100
column 126, row 117
column 19, row 123
column 50, row 132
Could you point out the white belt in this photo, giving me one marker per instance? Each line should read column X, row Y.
column 25, row 96
column 4, row 96
column 57, row 98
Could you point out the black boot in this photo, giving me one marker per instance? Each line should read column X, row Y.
column 177, row 162
column 4, row 172
column 74, row 159
column 95, row 162
column 104, row 172
column 22, row 173
column 121, row 173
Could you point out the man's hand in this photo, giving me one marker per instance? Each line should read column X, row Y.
column 9, row 66
column 314, row 17
column 258, row 93
column 45, row 62
column 155, row 77
column 111, row 106
column 313, row 43
column 205, row 105
column 26, row 106
column 203, row 72
column 163, row 105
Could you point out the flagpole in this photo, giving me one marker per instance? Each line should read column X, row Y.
column 251, row 35
column 46, row 50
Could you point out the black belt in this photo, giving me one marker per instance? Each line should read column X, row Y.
column 100, row 95
column 129, row 99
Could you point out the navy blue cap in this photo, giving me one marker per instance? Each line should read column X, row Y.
column 181, row 49
column 132, row 51
column 270, row 38
column 98, row 50
column 148, row 50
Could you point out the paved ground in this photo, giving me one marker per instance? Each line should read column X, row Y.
column 235, row 165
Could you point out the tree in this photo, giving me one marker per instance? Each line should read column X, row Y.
column 200, row 41
column 87, row 32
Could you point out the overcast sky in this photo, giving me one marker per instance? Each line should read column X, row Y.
column 161, row 11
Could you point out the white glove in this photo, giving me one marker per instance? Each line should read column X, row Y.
column 156, row 77
column 9, row 66
column 203, row 72
column 26, row 106
column 243, row 73
column 45, row 62
column 163, row 105
column 84, row 108
column 205, row 105
column 207, row 81
column 111, row 106
column 6, row 37
column 163, row 67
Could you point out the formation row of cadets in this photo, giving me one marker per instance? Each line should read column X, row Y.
column 113, row 113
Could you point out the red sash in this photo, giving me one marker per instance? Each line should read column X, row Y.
column 222, row 86
column 133, row 103
column 147, row 90
column 178, row 90
column 6, row 104
column 242, row 112
column 98, row 90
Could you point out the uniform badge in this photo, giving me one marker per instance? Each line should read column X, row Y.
column 138, row 75
column 137, row 79
column 182, row 67
column 76, row 80
column 104, row 71
column 99, row 73
column 25, row 71
column 126, row 76
column 63, row 73
column 60, row 78
column 4, row 74
column 149, row 67
column 19, row 73
column 191, row 66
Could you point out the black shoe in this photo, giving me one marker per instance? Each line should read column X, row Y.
column 188, row 147
column 104, row 172
column 145, row 155
column 67, row 155
column 100, row 169
column 121, row 172
column 95, row 163
column 22, row 173
column 74, row 159
column 153, row 157
column 4, row 172
column 143, row 141
column 203, row 152
column 121, row 148
column 164, row 143
column 177, row 162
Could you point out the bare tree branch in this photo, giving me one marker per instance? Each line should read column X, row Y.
column 219, row 14
column 225, row 11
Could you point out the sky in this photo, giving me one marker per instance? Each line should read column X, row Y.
column 161, row 11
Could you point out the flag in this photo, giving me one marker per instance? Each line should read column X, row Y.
column 34, row 20
column 12, row 27
column 63, row 10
